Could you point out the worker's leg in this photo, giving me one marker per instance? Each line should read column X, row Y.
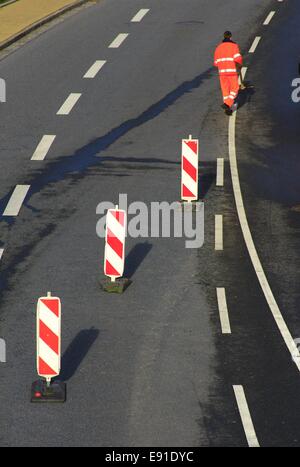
column 225, row 86
column 233, row 88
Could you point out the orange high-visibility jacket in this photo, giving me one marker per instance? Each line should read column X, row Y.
column 227, row 54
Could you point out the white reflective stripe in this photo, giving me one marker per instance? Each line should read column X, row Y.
column 225, row 97
column 233, row 93
column 231, row 97
column 49, row 318
column 237, row 55
column 190, row 155
column 115, row 226
column 229, row 59
column 114, row 259
column 49, row 357
column 189, row 182
column 227, row 70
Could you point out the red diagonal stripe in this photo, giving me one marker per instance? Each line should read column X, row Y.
column 45, row 369
column 110, row 270
column 49, row 337
column 186, row 193
column 115, row 243
column 193, row 145
column 119, row 215
column 189, row 168
column 53, row 305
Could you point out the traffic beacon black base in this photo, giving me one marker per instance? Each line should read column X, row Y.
column 117, row 286
column 43, row 392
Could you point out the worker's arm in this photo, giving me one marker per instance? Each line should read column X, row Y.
column 237, row 56
column 238, row 59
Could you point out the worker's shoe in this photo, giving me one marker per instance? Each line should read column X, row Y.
column 227, row 109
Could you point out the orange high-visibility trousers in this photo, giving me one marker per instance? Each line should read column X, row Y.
column 230, row 88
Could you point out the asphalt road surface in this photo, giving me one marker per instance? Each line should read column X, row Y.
column 152, row 367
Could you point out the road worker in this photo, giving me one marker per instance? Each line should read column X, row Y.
column 228, row 60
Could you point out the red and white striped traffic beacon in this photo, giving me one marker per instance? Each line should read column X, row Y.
column 114, row 258
column 48, row 350
column 189, row 169
column 114, row 253
column 48, row 337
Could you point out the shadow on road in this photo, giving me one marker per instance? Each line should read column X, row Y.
column 76, row 352
column 135, row 258
column 205, row 182
column 87, row 157
column 246, row 94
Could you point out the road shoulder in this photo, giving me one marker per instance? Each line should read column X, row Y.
column 23, row 17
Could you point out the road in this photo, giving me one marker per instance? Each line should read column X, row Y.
column 152, row 367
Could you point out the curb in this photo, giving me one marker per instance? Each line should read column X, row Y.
column 7, row 3
column 40, row 23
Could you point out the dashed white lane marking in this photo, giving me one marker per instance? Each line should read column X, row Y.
column 223, row 311
column 43, row 148
column 1, row 252
column 218, row 232
column 16, row 200
column 95, row 68
column 118, row 41
column 69, row 104
column 269, row 18
column 254, row 45
column 140, row 15
column 292, row 347
column 220, row 171
column 244, row 71
column 245, row 417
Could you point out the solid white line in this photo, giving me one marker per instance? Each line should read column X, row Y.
column 69, row 104
column 245, row 416
column 43, row 148
column 16, row 200
column 292, row 347
column 140, row 15
column 1, row 252
column 223, row 311
column 118, row 41
column 254, row 45
column 220, row 171
column 218, row 232
column 269, row 18
column 95, row 68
